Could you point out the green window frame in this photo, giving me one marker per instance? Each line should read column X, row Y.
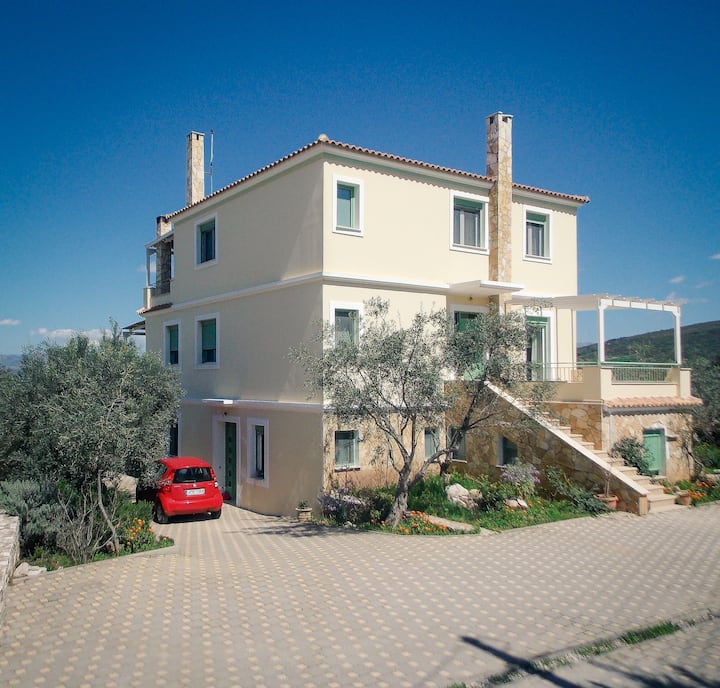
column 208, row 341
column 469, row 223
column 206, row 244
column 346, row 449
column 347, row 198
column 172, row 333
column 537, row 235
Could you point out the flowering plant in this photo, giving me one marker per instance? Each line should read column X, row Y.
column 524, row 478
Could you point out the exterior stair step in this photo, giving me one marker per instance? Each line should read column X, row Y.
column 662, row 502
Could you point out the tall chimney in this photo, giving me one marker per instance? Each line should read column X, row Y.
column 195, row 190
column 499, row 168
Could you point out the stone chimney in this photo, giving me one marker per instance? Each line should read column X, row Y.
column 499, row 168
column 195, row 190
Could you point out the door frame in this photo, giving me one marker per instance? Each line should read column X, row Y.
column 218, row 462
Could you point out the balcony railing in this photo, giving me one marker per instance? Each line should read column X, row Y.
column 613, row 379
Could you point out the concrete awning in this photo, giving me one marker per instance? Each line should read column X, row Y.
column 484, row 288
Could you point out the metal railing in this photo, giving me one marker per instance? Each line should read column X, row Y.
column 622, row 372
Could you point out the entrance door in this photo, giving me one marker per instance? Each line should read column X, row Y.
column 231, row 459
column 538, row 349
column 654, row 441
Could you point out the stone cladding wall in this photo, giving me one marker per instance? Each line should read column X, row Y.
column 9, row 553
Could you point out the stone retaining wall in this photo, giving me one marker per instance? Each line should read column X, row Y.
column 9, row 553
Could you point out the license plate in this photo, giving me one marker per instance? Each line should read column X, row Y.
column 194, row 491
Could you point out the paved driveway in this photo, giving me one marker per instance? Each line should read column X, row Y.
column 252, row 600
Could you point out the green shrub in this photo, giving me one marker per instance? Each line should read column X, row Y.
column 708, row 455
column 559, row 486
column 36, row 507
column 633, row 453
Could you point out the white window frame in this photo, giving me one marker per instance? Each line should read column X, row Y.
column 483, row 249
column 356, row 443
column 345, row 306
column 251, row 449
column 548, row 232
column 198, row 225
column 500, row 452
column 166, row 344
column 358, row 185
column 198, row 341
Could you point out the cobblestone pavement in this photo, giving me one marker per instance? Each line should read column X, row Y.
column 252, row 600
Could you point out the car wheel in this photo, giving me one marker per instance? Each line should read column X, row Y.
column 216, row 514
column 160, row 515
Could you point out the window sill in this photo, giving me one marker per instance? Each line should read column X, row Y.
column 206, row 264
column 207, row 366
column 351, row 231
column 477, row 250
column 537, row 259
column 346, row 469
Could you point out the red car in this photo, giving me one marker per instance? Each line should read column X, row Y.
column 187, row 485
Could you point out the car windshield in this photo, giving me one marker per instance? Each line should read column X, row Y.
column 192, row 474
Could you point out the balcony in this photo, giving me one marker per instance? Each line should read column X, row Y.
column 613, row 380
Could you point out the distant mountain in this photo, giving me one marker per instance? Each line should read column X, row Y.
column 698, row 341
column 11, row 361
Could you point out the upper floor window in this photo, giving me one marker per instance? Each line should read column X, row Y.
column 206, row 250
column 469, row 222
column 172, row 344
column 348, row 206
column 537, row 235
column 207, row 347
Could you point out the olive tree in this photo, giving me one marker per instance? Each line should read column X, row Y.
column 404, row 379
column 80, row 414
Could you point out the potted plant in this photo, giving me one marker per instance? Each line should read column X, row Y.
column 683, row 497
column 606, row 497
column 303, row 511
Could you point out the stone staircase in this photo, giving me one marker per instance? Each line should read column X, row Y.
column 658, row 500
column 637, row 493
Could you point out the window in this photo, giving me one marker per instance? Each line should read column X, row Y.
column 463, row 319
column 507, row 451
column 174, row 440
column 346, row 449
column 469, row 223
column 206, row 244
column 348, row 206
column 207, row 347
column 258, row 449
column 172, row 344
column 347, row 330
column 537, row 235
column 432, row 441
column 460, row 451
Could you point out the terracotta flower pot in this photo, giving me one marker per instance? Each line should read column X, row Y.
column 683, row 498
column 610, row 501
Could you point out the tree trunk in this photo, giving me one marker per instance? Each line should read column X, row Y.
column 399, row 507
column 108, row 520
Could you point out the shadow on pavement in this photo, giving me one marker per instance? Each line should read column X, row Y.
column 681, row 678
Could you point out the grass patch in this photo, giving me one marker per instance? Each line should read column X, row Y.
column 547, row 664
column 634, row 637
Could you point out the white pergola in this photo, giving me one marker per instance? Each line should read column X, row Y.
column 604, row 302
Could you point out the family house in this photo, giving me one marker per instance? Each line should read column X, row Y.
column 247, row 272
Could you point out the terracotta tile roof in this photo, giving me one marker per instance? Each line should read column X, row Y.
column 325, row 142
column 653, row 402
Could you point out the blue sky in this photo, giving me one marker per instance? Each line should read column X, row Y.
column 614, row 100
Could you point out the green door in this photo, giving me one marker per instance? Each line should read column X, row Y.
column 231, row 459
column 654, row 441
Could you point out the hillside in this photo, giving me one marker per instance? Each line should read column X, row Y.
column 698, row 341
